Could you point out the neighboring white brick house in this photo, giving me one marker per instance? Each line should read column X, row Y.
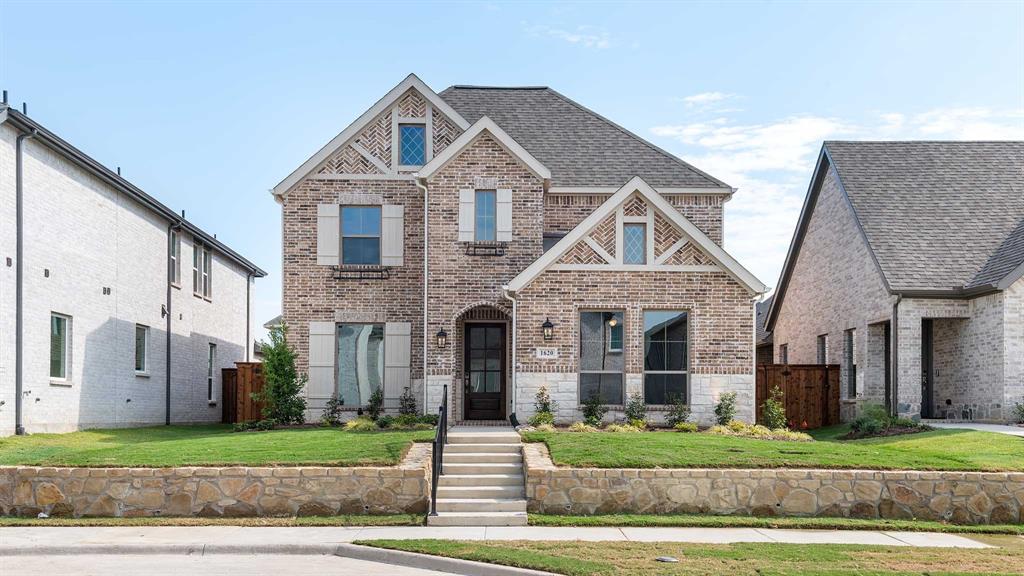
column 914, row 253
column 96, row 253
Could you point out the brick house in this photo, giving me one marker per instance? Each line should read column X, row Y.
column 905, row 269
column 558, row 249
column 115, row 310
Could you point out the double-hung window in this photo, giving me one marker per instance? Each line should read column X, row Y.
column 360, row 362
column 175, row 263
column 666, row 359
column 141, row 349
column 211, row 362
column 850, row 360
column 202, row 270
column 412, row 143
column 485, row 219
column 823, row 349
column 634, row 244
column 601, row 356
column 360, row 235
column 60, row 326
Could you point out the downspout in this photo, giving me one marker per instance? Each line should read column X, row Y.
column 248, row 299
column 895, row 352
column 19, row 427
column 421, row 184
column 515, row 388
column 173, row 226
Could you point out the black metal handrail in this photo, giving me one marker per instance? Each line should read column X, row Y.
column 440, row 439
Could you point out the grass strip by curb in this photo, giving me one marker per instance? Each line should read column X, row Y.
column 702, row 521
column 349, row 520
column 494, row 554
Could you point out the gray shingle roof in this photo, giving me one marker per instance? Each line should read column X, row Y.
column 580, row 147
column 763, row 335
column 938, row 215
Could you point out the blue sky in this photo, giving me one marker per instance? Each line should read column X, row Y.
column 208, row 105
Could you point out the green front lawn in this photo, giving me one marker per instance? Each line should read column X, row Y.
column 936, row 450
column 638, row 558
column 213, row 445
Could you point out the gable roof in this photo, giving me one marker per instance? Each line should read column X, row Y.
column 484, row 124
column 353, row 129
column 581, row 147
column 761, row 321
column 639, row 186
column 939, row 218
column 113, row 179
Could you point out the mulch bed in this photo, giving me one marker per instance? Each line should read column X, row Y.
column 890, row 431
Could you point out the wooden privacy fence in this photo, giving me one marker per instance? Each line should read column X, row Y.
column 238, row 385
column 810, row 392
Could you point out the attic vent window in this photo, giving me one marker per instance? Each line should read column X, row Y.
column 412, row 144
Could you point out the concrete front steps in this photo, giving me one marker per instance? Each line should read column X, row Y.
column 482, row 479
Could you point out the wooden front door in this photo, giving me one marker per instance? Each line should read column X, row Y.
column 484, row 372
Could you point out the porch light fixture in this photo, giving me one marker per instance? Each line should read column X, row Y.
column 613, row 322
column 442, row 338
column 549, row 329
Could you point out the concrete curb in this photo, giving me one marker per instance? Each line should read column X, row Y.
column 428, row 562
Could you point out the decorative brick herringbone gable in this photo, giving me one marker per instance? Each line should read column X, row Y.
column 412, row 105
column 689, row 255
column 635, row 206
column 376, row 138
column 445, row 132
column 581, row 253
column 348, row 161
column 665, row 235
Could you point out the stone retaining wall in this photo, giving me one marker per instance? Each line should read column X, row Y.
column 218, row 491
column 960, row 497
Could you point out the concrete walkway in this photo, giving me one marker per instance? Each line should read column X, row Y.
column 997, row 428
column 322, row 540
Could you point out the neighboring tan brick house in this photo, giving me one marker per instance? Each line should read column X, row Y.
column 905, row 269
column 106, row 273
column 561, row 251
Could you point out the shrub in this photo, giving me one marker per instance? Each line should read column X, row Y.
column 774, row 410
column 407, row 403
column 429, row 419
column 622, row 428
column 736, row 425
column 679, row 413
column 542, row 401
column 741, row 429
column 332, row 411
column 725, row 410
column 581, row 427
column 385, row 422
column 542, row 418
column 282, row 386
column 376, row 403
column 685, row 427
column 638, row 424
column 545, row 428
column 406, row 420
column 361, row 424
column 1018, row 411
column 866, row 426
column 422, row 426
column 636, row 410
column 255, row 425
column 593, row 410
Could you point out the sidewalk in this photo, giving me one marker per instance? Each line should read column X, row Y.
column 325, row 540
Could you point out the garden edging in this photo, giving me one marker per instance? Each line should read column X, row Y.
column 961, row 497
column 219, row 491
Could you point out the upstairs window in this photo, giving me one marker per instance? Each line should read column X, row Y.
column 175, row 258
column 634, row 244
column 486, row 216
column 823, row 349
column 412, row 143
column 360, row 235
column 202, row 270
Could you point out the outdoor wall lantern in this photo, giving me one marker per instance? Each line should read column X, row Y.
column 549, row 329
column 442, row 338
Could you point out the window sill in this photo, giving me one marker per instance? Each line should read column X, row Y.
column 142, row 374
column 176, row 286
column 61, row 383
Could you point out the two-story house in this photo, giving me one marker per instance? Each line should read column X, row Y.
column 496, row 240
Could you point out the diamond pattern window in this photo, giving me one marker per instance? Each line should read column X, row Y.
column 634, row 244
column 413, row 144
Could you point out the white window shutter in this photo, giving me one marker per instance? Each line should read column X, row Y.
column 328, row 235
column 504, row 215
column 321, row 361
column 392, row 235
column 397, row 358
column 467, row 215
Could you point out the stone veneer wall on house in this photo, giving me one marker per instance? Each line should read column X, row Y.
column 218, row 491
column 721, row 347
column 960, row 497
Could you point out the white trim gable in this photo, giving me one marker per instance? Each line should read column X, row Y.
column 391, row 98
column 613, row 206
column 485, row 124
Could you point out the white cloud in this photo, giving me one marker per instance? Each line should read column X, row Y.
column 770, row 163
column 584, row 35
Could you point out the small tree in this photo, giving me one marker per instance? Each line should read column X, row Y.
column 407, row 403
column 542, row 401
column 593, row 410
column 725, row 410
column 636, row 411
column 332, row 411
column 774, row 410
column 375, row 405
column 282, row 386
column 679, row 412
